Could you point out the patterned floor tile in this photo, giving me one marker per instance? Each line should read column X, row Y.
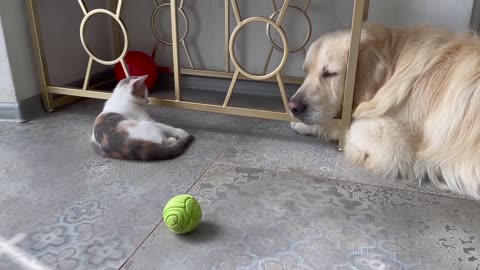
column 313, row 158
column 261, row 219
column 80, row 211
column 273, row 200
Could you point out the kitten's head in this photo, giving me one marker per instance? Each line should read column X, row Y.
column 132, row 89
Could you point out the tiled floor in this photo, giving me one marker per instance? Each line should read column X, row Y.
column 271, row 200
column 7, row 125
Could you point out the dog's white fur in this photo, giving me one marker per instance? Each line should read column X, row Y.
column 417, row 103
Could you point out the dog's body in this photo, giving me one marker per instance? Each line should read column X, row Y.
column 417, row 103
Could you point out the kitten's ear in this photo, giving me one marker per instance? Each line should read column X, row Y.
column 137, row 84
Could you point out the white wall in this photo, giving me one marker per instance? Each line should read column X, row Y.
column 18, row 51
column 452, row 14
column 66, row 59
column 7, row 91
column 60, row 22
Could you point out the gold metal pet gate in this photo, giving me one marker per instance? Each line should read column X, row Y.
column 178, row 43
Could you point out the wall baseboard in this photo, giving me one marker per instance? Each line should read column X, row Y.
column 21, row 111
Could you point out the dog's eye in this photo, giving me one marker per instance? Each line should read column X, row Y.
column 328, row 74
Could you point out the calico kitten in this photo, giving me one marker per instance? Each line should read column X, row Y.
column 124, row 130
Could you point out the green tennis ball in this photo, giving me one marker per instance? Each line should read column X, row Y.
column 182, row 214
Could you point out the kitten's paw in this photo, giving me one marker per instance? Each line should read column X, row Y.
column 184, row 136
column 179, row 133
column 302, row 129
column 171, row 140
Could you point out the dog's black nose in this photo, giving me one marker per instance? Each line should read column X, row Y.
column 296, row 106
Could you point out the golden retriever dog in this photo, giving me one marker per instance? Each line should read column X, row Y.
column 416, row 103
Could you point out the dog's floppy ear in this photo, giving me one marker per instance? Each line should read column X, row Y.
column 373, row 60
column 372, row 69
column 365, row 37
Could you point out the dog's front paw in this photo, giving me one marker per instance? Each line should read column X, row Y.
column 302, row 129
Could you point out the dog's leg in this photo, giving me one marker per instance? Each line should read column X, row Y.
column 328, row 132
column 382, row 146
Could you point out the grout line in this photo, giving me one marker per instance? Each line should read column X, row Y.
column 234, row 139
column 14, row 126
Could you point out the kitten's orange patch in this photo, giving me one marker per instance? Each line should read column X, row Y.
column 99, row 119
column 117, row 155
column 105, row 142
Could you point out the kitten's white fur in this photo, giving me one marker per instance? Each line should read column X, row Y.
column 129, row 101
column 124, row 103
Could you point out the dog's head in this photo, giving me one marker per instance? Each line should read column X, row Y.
column 320, row 97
